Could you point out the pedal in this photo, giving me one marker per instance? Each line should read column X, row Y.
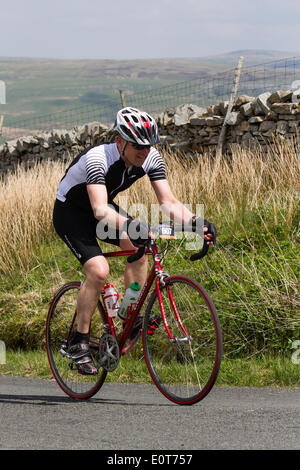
column 63, row 351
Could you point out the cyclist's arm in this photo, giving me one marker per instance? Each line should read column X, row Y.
column 101, row 209
column 169, row 204
column 172, row 207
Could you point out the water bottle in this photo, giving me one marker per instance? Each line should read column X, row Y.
column 130, row 300
column 111, row 300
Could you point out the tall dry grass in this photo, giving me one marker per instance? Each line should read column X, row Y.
column 26, row 204
column 245, row 183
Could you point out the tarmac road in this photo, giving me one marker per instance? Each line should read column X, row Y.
column 35, row 414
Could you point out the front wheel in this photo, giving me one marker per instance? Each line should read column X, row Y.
column 182, row 340
column 60, row 325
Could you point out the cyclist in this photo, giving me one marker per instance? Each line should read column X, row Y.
column 85, row 211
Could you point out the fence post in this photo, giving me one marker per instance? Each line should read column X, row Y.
column 230, row 105
column 1, row 124
column 2, row 352
column 123, row 101
column 2, row 101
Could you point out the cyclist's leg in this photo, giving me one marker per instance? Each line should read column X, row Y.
column 136, row 271
column 77, row 229
column 96, row 270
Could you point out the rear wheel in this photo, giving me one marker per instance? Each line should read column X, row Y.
column 61, row 323
column 183, row 354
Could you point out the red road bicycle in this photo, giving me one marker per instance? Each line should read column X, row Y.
column 181, row 333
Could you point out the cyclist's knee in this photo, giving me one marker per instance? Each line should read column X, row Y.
column 96, row 269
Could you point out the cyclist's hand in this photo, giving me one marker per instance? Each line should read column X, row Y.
column 201, row 226
column 138, row 232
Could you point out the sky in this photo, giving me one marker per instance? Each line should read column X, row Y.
column 141, row 29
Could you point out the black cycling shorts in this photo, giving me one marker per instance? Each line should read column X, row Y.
column 80, row 230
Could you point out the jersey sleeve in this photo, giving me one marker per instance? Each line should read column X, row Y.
column 155, row 166
column 96, row 168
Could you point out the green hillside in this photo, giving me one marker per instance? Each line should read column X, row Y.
column 41, row 86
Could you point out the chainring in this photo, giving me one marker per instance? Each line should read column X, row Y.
column 109, row 352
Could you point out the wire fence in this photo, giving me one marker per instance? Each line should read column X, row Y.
column 65, row 119
column 203, row 91
column 214, row 89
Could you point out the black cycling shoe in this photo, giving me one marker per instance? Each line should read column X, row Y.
column 83, row 360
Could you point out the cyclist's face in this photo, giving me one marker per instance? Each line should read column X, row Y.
column 133, row 155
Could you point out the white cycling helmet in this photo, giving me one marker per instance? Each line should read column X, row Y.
column 137, row 127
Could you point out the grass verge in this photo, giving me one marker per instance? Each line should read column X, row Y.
column 266, row 371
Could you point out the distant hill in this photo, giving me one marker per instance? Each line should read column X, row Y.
column 252, row 57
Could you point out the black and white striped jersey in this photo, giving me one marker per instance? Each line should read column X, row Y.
column 102, row 164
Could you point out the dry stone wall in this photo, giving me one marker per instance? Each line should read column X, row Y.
column 58, row 144
column 253, row 121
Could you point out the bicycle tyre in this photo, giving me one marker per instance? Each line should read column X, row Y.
column 61, row 321
column 185, row 370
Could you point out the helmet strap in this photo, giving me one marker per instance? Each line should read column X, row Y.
column 123, row 149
